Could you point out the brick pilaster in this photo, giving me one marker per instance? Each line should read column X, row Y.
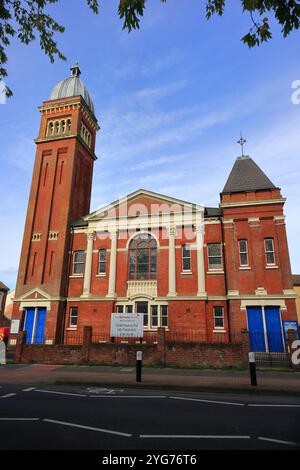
column 161, row 345
column 87, row 339
column 19, row 346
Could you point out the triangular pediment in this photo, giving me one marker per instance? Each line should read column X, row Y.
column 35, row 294
column 142, row 202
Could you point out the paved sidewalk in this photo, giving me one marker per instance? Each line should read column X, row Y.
column 153, row 378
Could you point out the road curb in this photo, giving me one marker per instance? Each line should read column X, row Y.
column 184, row 388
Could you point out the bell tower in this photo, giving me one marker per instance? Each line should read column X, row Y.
column 60, row 193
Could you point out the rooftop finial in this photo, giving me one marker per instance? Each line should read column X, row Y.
column 242, row 142
column 75, row 70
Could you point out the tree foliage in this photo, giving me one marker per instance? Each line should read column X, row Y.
column 28, row 20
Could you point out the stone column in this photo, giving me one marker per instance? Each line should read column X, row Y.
column 200, row 260
column 112, row 264
column 88, row 265
column 172, row 265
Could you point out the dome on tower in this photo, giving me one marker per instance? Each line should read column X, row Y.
column 72, row 86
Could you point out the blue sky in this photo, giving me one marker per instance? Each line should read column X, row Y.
column 171, row 100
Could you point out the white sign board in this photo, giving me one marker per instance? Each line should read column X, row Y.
column 2, row 353
column 126, row 325
column 14, row 326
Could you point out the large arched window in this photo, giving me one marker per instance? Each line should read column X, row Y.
column 142, row 257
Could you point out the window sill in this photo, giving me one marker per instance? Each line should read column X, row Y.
column 215, row 272
column 221, row 330
column 154, row 329
column 101, row 275
column 186, row 273
column 71, row 328
column 272, row 267
column 75, row 276
column 245, row 268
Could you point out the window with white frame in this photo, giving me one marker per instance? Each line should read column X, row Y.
column 154, row 315
column 102, row 262
column 73, row 317
column 269, row 250
column 78, row 262
column 186, row 257
column 219, row 318
column 214, row 252
column 164, row 318
column 124, row 308
column 243, row 253
column 142, row 257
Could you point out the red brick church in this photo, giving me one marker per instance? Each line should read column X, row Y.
column 188, row 268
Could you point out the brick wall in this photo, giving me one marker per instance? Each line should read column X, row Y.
column 163, row 353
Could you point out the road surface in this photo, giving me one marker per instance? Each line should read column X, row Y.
column 52, row 417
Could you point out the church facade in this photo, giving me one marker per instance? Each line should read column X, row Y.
column 190, row 269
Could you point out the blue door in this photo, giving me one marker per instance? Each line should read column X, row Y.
column 274, row 332
column 40, row 326
column 256, row 329
column 29, row 322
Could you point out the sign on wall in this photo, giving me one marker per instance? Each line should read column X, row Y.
column 125, row 325
column 290, row 325
column 14, row 326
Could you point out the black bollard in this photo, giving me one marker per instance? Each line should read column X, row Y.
column 139, row 356
column 252, row 367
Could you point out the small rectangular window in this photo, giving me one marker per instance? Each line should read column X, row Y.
column 243, row 252
column 214, row 251
column 129, row 308
column 218, row 317
column 154, row 316
column 186, row 257
column 73, row 316
column 269, row 250
column 120, row 308
column 102, row 262
column 164, row 316
column 78, row 262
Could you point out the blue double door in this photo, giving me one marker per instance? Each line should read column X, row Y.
column 35, row 319
column 265, row 329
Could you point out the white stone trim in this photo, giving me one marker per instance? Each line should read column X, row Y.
column 261, row 291
column 112, row 264
column 261, row 202
column 263, row 302
column 140, row 232
column 88, row 264
column 35, row 304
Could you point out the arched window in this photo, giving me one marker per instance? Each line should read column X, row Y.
column 142, row 257
column 63, row 126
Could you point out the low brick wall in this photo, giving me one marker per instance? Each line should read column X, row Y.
column 51, row 354
column 163, row 353
column 204, row 354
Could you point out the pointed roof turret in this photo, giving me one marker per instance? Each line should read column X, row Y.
column 246, row 176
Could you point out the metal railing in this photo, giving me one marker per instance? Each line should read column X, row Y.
column 199, row 337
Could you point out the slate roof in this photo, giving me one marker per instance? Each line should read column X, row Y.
column 3, row 287
column 296, row 279
column 79, row 223
column 213, row 212
column 246, row 176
